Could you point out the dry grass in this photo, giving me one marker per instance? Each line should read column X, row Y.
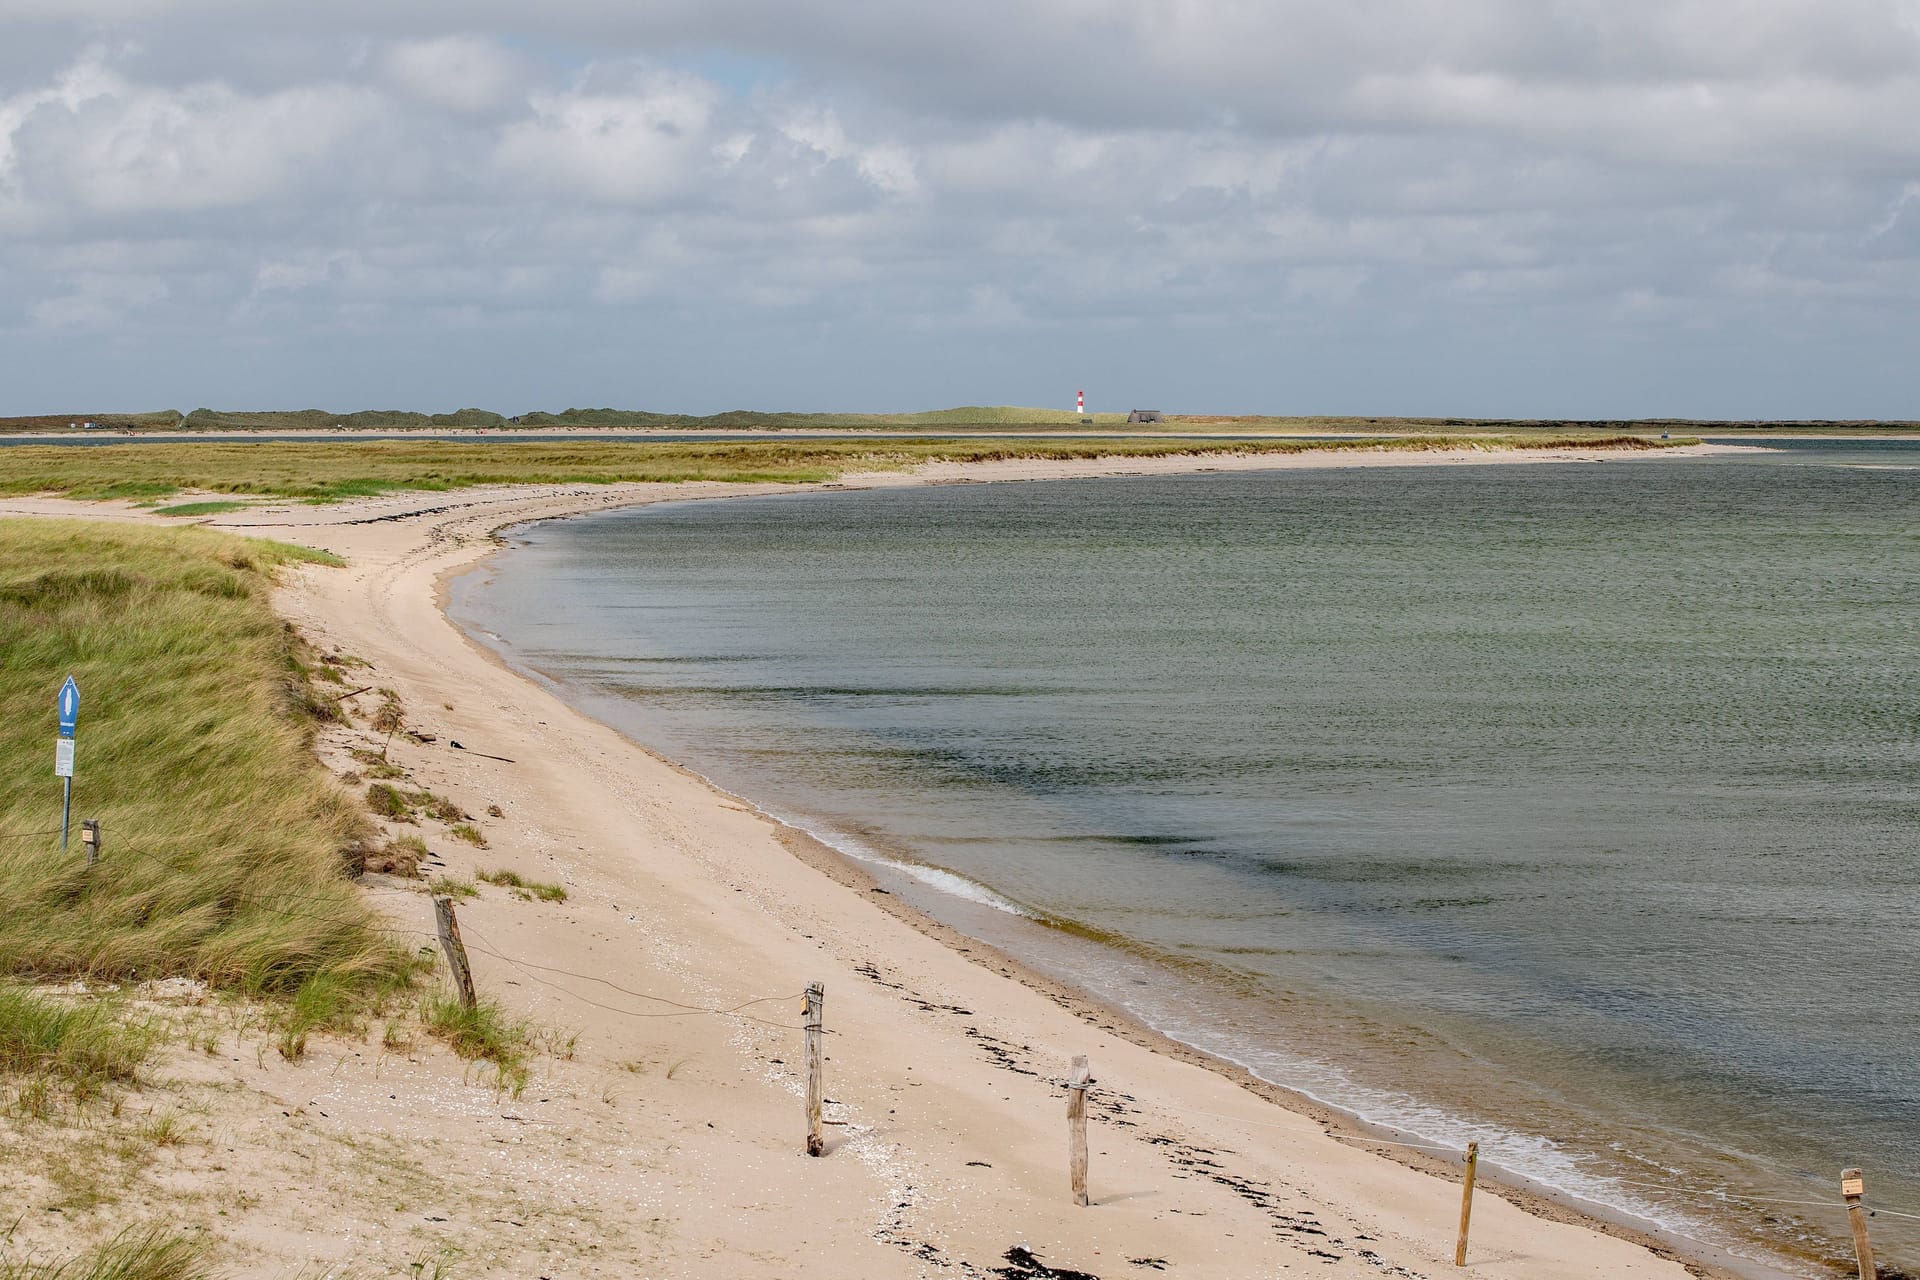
column 451, row 887
column 334, row 469
column 524, row 888
column 137, row 1253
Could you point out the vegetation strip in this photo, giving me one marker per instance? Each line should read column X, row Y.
column 226, row 843
column 961, row 418
column 330, row 470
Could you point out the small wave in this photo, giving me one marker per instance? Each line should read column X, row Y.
column 957, row 885
column 951, row 883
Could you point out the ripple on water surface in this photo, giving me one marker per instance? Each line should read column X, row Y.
column 1582, row 796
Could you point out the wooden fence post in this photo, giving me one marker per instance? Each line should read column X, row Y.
column 816, row 998
column 1853, row 1185
column 449, row 930
column 1077, row 1084
column 1466, row 1203
column 90, row 837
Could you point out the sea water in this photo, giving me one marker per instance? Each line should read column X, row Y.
column 1572, row 808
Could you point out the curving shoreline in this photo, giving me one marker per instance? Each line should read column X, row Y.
column 727, row 897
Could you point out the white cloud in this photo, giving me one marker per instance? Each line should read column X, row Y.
column 88, row 78
column 644, row 146
column 99, row 143
column 888, row 167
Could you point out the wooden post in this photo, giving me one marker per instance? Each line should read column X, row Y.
column 816, row 998
column 90, row 837
column 449, row 930
column 1466, row 1203
column 1077, row 1084
column 1853, row 1185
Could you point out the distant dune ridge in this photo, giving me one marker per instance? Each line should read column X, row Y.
column 961, row 417
column 486, row 420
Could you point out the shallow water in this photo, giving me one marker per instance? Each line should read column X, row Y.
column 1568, row 807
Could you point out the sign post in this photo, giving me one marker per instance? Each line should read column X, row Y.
column 1853, row 1185
column 68, row 704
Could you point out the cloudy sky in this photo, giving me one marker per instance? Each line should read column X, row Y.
column 1490, row 207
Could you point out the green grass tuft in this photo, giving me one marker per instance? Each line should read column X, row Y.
column 388, row 802
column 201, row 508
column 528, row 889
column 484, row 1033
column 137, row 1253
column 82, row 1045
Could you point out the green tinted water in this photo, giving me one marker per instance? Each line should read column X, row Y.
column 1571, row 808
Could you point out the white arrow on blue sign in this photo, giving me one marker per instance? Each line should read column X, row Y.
column 69, row 704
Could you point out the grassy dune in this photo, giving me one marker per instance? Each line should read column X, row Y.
column 962, row 418
column 482, row 419
column 333, row 469
column 223, row 838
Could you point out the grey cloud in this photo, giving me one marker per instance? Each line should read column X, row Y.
column 465, row 73
column 1261, row 206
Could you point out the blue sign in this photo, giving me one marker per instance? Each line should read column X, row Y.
column 69, row 704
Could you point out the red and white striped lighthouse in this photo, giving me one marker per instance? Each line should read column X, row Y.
column 1080, row 403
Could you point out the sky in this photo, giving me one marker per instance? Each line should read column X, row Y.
column 1559, row 208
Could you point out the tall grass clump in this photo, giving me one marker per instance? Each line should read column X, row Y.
column 83, row 1045
column 483, row 1033
column 223, row 839
column 137, row 1253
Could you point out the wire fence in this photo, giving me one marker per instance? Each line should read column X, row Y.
column 272, row 901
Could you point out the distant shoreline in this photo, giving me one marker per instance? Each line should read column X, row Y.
column 1217, row 435
column 964, row 421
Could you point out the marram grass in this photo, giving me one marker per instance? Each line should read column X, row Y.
column 223, row 838
column 136, row 1253
column 86, row 1045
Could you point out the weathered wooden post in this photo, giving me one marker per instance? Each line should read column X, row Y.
column 1466, row 1203
column 1853, row 1185
column 449, row 930
column 90, row 837
column 1077, row 1083
column 816, row 1080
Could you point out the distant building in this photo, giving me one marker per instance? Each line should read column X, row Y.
column 1146, row 415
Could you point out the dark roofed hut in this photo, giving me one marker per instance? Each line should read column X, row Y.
column 1146, row 415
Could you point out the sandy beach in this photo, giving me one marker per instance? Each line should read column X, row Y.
column 659, row 1140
